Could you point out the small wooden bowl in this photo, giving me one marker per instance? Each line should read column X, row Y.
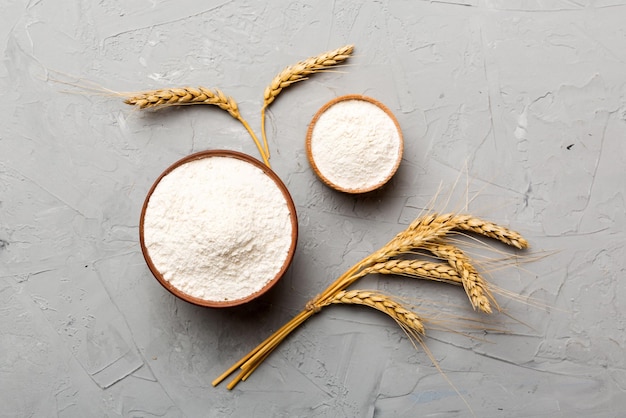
column 294, row 229
column 315, row 166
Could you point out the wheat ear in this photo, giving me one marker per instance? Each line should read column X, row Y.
column 433, row 226
column 475, row 286
column 183, row 96
column 406, row 318
column 298, row 72
column 416, row 268
column 489, row 229
column 157, row 99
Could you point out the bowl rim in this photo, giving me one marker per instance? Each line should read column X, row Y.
column 294, row 228
column 309, row 135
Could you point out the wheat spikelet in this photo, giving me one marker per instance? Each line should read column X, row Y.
column 475, row 286
column 407, row 319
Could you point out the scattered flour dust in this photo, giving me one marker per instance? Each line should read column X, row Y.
column 217, row 228
column 355, row 145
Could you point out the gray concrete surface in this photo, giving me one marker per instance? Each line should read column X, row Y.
column 521, row 103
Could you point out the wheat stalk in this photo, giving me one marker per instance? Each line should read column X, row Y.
column 298, row 72
column 156, row 99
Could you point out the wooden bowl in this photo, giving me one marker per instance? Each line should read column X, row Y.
column 294, row 229
column 326, row 177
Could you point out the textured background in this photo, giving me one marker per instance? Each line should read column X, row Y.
column 521, row 103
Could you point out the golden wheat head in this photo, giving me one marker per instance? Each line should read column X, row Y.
column 302, row 69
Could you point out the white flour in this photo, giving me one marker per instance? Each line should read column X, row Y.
column 355, row 144
column 217, row 228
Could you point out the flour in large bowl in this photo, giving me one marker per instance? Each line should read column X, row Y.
column 218, row 228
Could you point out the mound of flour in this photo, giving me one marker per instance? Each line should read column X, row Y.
column 217, row 228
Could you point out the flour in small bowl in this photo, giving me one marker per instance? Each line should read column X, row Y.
column 355, row 144
column 217, row 228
